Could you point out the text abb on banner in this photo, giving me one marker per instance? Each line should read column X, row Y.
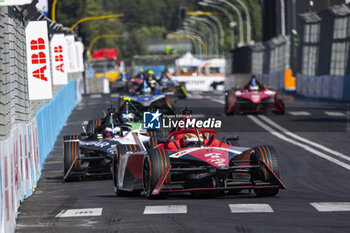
column 59, row 59
column 38, row 55
column 14, row 2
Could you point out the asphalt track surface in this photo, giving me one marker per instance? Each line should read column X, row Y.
column 316, row 175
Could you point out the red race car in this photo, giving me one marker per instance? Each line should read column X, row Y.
column 194, row 160
column 252, row 99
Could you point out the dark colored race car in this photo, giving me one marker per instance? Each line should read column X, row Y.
column 169, row 85
column 91, row 152
column 147, row 97
column 194, row 160
column 254, row 98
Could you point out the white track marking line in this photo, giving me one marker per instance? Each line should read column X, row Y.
column 305, row 147
column 96, row 96
column 80, row 213
column 218, row 101
column 166, row 209
column 299, row 113
column 331, row 206
column 250, row 208
column 293, row 135
column 335, row 114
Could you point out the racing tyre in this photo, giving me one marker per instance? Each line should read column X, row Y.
column 154, row 165
column 121, row 150
column 71, row 154
column 153, row 142
column 268, row 155
column 92, row 125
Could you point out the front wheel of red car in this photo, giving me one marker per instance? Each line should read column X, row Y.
column 280, row 106
column 155, row 164
column 266, row 154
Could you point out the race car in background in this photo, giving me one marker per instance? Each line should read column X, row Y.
column 148, row 97
column 254, row 98
column 194, row 160
column 91, row 152
column 170, row 85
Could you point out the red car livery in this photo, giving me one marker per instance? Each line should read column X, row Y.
column 194, row 160
column 247, row 101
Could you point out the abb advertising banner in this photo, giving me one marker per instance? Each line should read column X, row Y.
column 14, row 2
column 38, row 55
column 59, row 59
column 72, row 54
column 79, row 47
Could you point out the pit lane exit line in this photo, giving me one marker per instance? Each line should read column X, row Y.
column 299, row 144
column 166, row 209
column 250, row 208
column 331, row 206
column 293, row 135
column 80, row 213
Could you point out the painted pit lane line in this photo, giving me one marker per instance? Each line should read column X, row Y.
column 304, row 140
column 250, row 208
column 80, row 213
column 166, row 209
column 96, row 96
column 299, row 144
column 295, row 136
column 331, row 206
column 335, row 114
column 299, row 113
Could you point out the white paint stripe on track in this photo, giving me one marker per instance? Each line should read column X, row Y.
column 166, row 209
column 331, row 206
column 299, row 113
column 250, row 208
column 305, row 147
column 293, row 135
column 96, row 96
column 335, row 114
column 80, row 213
column 218, row 101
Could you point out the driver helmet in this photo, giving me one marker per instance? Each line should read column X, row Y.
column 254, row 85
column 111, row 132
column 191, row 139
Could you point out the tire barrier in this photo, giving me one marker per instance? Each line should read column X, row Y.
column 23, row 153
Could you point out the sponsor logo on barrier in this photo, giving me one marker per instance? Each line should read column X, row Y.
column 39, row 75
column 59, row 59
column 72, row 53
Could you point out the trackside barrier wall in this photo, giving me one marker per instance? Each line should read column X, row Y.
column 324, row 52
column 267, row 60
column 20, row 171
column 330, row 87
column 23, row 153
column 51, row 118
